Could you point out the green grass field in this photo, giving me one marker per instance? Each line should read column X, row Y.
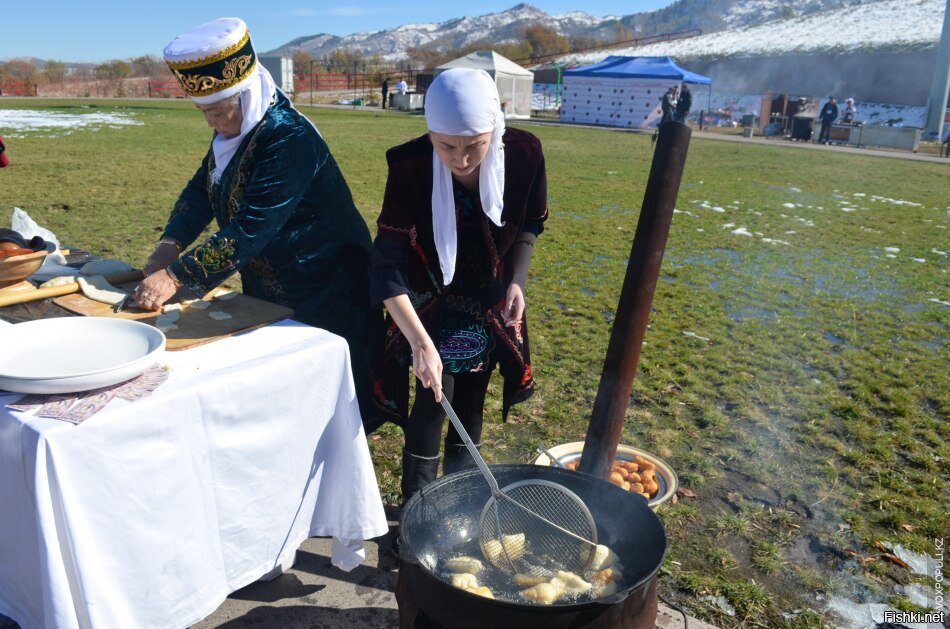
column 796, row 377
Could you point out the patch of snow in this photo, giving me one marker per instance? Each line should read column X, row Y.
column 921, row 596
column 16, row 123
column 919, row 260
column 938, row 252
column 789, row 205
column 891, row 201
column 890, row 255
column 892, row 249
column 938, row 301
column 741, row 231
column 776, row 242
column 851, row 615
column 721, row 602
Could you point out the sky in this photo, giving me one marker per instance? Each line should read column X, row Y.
column 92, row 31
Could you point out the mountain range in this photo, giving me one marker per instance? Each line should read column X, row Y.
column 707, row 15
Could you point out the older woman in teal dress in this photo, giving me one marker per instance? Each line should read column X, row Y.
column 285, row 217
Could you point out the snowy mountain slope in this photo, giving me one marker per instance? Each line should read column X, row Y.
column 889, row 25
column 732, row 27
column 716, row 15
column 458, row 32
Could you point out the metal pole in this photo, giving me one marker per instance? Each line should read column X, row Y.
column 940, row 84
column 636, row 299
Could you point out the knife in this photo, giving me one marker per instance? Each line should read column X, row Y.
column 119, row 306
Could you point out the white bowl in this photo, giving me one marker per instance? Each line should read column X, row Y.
column 71, row 354
column 665, row 476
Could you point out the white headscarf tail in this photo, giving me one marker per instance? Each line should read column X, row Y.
column 255, row 100
column 464, row 102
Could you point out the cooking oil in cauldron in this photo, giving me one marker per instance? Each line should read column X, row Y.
column 503, row 586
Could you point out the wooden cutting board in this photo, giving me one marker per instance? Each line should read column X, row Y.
column 195, row 326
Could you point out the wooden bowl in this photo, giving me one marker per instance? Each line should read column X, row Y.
column 17, row 268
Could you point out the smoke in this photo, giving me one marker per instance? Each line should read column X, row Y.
column 900, row 78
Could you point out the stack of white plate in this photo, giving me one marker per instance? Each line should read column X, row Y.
column 72, row 354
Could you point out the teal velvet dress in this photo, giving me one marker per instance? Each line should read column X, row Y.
column 287, row 223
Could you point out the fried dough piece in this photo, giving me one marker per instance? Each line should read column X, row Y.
column 608, row 588
column 603, row 557
column 544, row 593
column 571, row 582
column 513, row 546
column 461, row 565
column 481, row 591
column 464, row 580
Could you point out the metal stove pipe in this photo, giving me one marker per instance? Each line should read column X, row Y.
column 636, row 299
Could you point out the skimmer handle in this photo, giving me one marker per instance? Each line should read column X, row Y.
column 479, row 461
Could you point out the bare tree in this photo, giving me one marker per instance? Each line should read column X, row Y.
column 545, row 40
column 148, row 65
column 21, row 70
column 304, row 63
column 54, row 71
column 115, row 69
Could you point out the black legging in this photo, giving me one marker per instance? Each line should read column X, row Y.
column 466, row 392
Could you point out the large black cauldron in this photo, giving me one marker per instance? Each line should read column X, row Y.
column 442, row 520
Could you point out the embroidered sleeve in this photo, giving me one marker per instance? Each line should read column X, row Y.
column 192, row 212
column 275, row 177
column 395, row 235
column 537, row 210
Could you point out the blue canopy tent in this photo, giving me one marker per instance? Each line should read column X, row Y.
column 622, row 91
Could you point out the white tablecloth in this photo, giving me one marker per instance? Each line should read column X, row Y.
column 150, row 513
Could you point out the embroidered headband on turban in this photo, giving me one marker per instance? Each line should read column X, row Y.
column 464, row 102
column 215, row 61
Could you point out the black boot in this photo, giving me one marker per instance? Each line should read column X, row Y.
column 457, row 458
column 417, row 472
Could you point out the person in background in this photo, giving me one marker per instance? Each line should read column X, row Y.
column 402, row 87
column 683, row 103
column 668, row 105
column 946, row 144
column 463, row 206
column 827, row 117
column 385, row 91
column 285, row 217
column 4, row 160
column 850, row 112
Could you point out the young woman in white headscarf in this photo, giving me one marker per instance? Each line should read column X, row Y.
column 463, row 207
column 285, row 218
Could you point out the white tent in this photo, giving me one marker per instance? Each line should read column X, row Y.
column 515, row 84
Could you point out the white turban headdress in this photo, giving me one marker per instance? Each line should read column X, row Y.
column 215, row 61
column 465, row 102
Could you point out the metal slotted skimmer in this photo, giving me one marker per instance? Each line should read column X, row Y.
column 531, row 527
